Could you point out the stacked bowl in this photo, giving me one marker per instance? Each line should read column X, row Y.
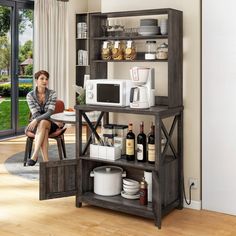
column 130, row 189
column 148, row 27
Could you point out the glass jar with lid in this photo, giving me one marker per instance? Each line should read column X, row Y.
column 106, row 50
column 150, row 53
column 130, row 50
column 117, row 51
column 162, row 51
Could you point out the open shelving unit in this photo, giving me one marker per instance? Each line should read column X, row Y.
column 167, row 172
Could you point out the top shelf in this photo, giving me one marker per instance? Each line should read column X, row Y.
column 163, row 11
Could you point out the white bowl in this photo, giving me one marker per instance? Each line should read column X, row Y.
column 130, row 182
column 143, row 29
column 131, row 191
column 148, row 22
column 131, row 186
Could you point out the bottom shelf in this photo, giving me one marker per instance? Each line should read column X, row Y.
column 118, row 203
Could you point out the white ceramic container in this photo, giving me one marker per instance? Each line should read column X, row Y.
column 108, row 180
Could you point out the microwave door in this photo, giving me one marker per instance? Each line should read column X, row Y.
column 108, row 93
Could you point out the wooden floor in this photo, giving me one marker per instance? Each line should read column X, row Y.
column 21, row 213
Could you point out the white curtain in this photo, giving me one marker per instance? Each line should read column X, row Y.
column 50, row 43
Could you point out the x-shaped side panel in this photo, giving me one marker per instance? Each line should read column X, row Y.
column 169, row 136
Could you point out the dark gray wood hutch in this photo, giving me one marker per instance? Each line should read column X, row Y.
column 71, row 177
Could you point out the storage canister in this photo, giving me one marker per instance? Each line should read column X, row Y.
column 130, row 50
column 150, row 53
column 106, row 50
column 162, row 51
column 117, row 51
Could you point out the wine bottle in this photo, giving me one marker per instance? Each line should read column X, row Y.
column 130, row 144
column 141, row 145
column 151, row 145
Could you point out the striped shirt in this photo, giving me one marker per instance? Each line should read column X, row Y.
column 41, row 111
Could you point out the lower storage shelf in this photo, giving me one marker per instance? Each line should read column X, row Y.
column 118, row 203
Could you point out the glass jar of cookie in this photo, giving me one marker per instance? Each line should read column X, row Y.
column 130, row 50
column 117, row 51
column 106, row 50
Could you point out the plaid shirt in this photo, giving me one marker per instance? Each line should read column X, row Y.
column 41, row 111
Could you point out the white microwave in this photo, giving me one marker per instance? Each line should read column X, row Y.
column 108, row 92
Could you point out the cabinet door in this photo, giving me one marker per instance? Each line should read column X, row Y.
column 57, row 179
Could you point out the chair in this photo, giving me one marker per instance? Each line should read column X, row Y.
column 58, row 135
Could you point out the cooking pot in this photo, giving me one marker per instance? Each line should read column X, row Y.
column 107, row 180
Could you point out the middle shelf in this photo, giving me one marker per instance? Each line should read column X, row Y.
column 136, row 60
column 134, row 164
column 137, row 37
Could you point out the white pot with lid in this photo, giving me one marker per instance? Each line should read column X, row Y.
column 108, row 180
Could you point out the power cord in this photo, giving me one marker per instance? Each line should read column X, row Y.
column 190, row 195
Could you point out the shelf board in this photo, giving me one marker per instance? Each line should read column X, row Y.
column 82, row 38
column 123, row 162
column 137, row 13
column 156, row 110
column 138, row 60
column 140, row 57
column 82, row 66
column 118, row 203
column 134, row 37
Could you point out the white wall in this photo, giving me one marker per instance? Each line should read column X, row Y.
column 94, row 5
column 191, row 71
column 74, row 6
column 219, row 106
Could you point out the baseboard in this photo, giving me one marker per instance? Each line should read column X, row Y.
column 196, row 205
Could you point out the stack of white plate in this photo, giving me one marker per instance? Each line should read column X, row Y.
column 148, row 27
column 130, row 189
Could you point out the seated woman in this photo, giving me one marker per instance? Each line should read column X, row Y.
column 41, row 102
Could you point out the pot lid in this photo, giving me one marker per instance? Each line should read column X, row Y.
column 108, row 170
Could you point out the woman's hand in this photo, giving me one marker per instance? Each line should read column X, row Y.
column 59, row 124
column 32, row 125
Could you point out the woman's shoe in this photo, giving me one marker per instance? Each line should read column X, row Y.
column 31, row 162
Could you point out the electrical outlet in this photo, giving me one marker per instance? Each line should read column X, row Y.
column 194, row 181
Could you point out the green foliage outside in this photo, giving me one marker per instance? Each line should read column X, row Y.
column 25, row 20
column 5, row 89
column 29, row 69
column 26, row 50
column 4, row 20
column 4, row 78
column 5, row 114
column 5, row 53
column 25, row 76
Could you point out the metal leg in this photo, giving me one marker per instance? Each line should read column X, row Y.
column 180, row 154
column 28, row 149
column 63, row 146
column 59, row 146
